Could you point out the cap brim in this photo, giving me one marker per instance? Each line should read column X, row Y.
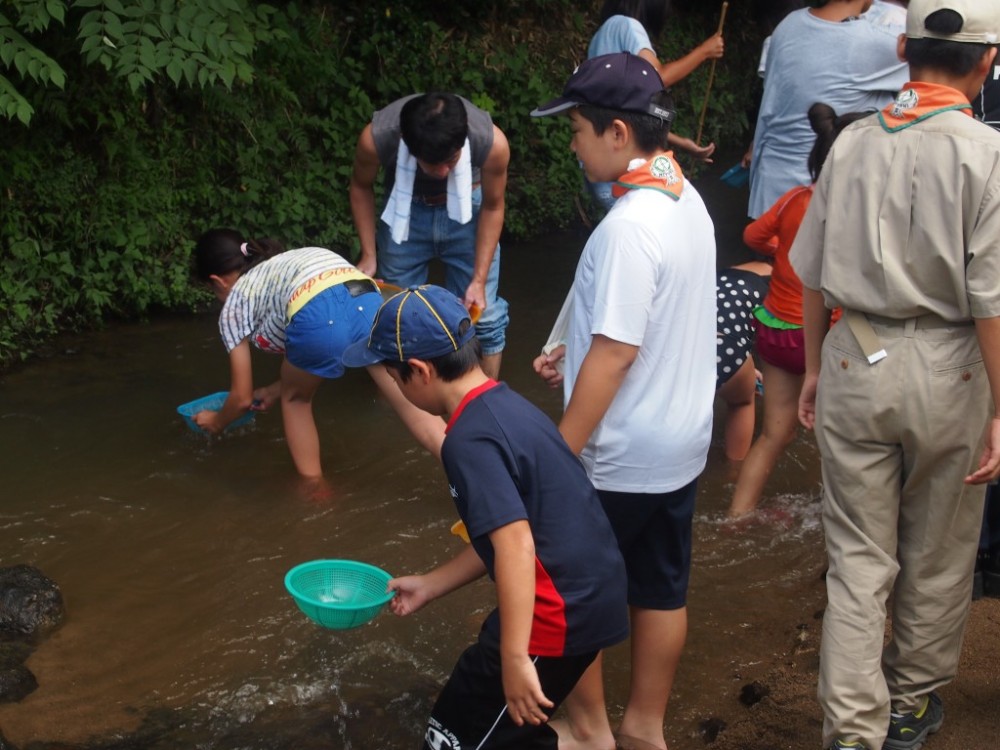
column 554, row 107
column 359, row 355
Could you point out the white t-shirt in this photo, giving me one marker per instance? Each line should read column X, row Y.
column 647, row 278
column 889, row 15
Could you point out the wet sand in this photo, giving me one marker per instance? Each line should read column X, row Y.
column 789, row 715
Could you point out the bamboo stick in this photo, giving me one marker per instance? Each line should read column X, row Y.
column 711, row 77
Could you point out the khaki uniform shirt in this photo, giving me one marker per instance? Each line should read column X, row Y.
column 907, row 223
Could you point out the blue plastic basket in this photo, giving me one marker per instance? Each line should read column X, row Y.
column 338, row 594
column 212, row 403
column 736, row 176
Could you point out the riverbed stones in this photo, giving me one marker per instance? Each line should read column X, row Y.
column 31, row 606
column 16, row 683
column 30, row 603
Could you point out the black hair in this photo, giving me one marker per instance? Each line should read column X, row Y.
column 450, row 366
column 652, row 14
column 954, row 58
column 222, row 251
column 827, row 125
column 434, row 126
column 650, row 132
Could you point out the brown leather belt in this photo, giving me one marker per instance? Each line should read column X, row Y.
column 431, row 200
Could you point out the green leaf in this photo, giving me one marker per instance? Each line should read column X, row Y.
column 90, row 26
column 56, row 9
column 112, row 25
column 135, row 81
column 175, row 71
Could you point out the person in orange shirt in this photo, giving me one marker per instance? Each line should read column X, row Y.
column 779, row 342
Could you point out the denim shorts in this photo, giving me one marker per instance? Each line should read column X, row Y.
column 317, row 335
column 434, row 235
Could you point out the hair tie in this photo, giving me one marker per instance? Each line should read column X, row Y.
column 244, row 250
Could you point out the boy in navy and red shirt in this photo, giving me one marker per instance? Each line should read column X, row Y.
column 536, row 528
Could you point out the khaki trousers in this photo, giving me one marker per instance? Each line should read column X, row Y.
column 896, row 440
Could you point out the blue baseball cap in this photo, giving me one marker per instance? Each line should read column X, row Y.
column 421, row 322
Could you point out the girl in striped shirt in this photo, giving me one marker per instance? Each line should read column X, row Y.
column 308, row 305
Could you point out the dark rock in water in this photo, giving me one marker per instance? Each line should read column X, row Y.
column 4, row 744
column 754, row 693
column 15, row 683
column 13, row 653
column 710, row 729
column 30, row 603
column 30, row 606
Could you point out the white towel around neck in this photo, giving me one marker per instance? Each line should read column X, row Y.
column 397, row 208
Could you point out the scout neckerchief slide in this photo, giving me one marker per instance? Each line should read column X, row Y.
column 661, row 173
column 865, row 335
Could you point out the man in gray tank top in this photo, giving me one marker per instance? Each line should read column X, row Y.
column 445, row 175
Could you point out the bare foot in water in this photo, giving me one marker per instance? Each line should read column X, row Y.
column 568, row 742
column 777, row 518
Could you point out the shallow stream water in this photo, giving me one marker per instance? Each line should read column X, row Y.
column 170, row 548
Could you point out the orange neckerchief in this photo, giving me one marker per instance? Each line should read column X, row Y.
column 918, row 101
column 660, row 173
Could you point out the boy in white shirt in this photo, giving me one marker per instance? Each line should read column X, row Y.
column 639, row 372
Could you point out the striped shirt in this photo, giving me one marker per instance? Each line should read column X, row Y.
column 257, row 306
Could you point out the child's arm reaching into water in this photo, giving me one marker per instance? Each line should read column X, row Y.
column 267, row 396
column 240, row 397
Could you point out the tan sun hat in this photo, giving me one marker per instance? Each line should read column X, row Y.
column 980, row 20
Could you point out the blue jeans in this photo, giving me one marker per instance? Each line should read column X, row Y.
column 434, row 235
column 601, row 193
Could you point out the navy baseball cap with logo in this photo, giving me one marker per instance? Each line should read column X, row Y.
column 620, row 81
column 422, row 322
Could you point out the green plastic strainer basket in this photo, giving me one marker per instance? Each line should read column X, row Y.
column 338, row 594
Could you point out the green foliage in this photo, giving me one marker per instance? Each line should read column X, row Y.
column 25, row 58
column 200, row 43
column 129, row 155
column 197, row 42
